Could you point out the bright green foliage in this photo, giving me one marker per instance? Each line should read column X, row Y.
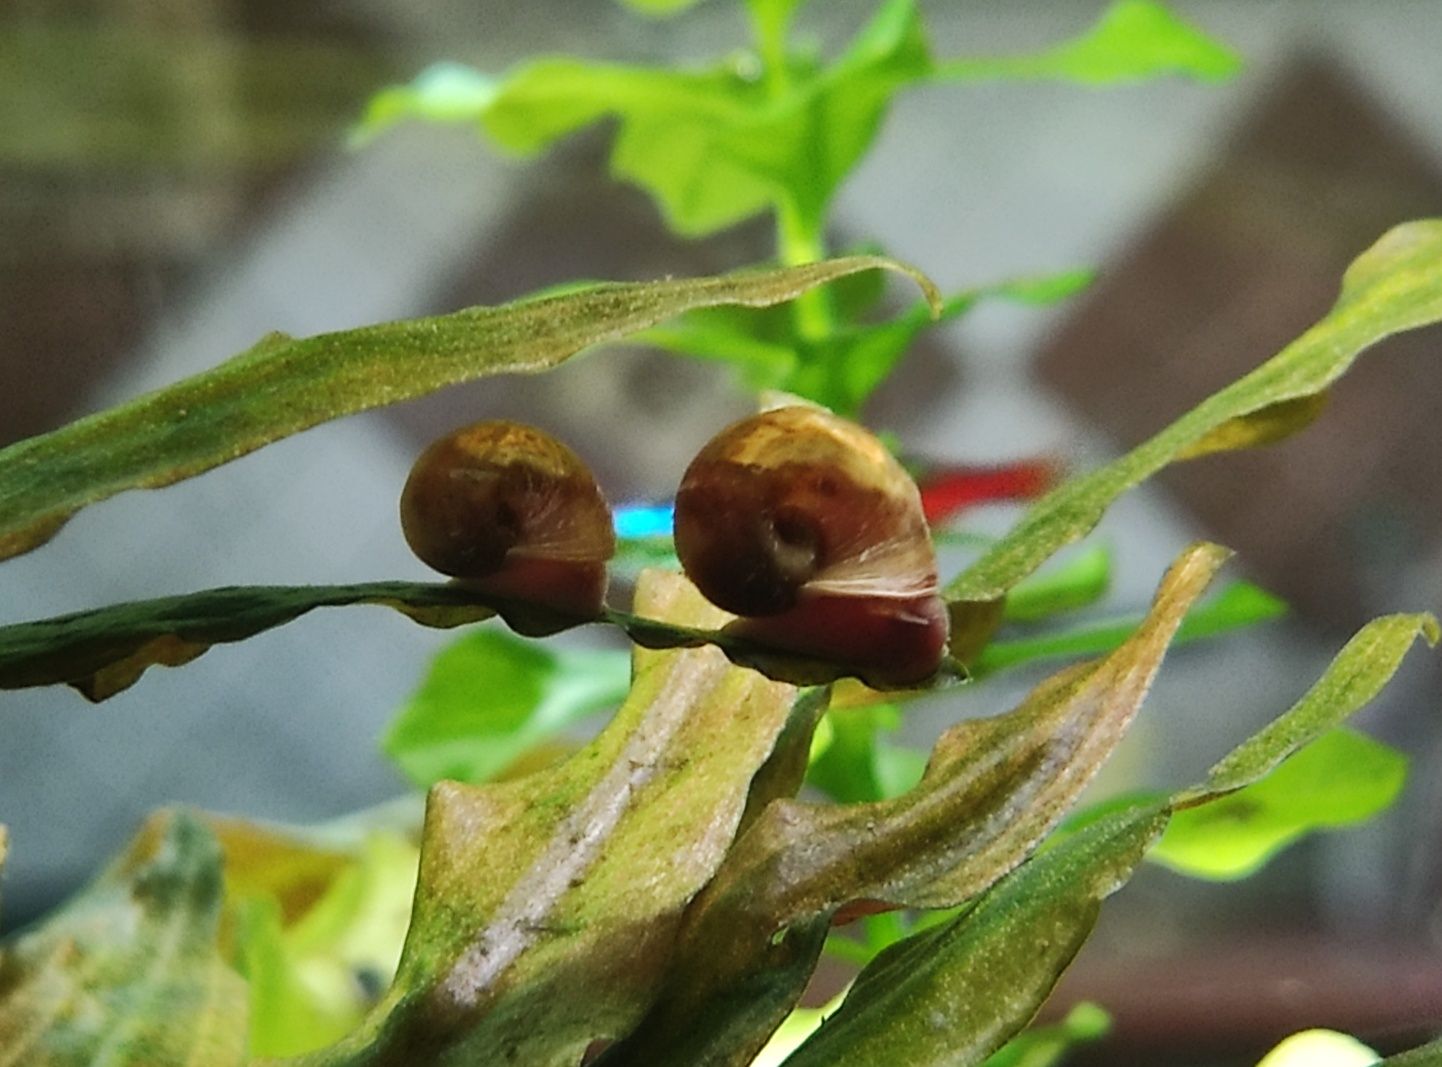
column 1239, row 605
column 1395, row 285
column 1076, row 583
column 283, row 386
column 128, row 971
column 841, row 368
column 1134, row 40
column 660, row 8
column 1340, row 779
column 308, row 973
column 851, row 762
column 490, row 697
column 717, row 146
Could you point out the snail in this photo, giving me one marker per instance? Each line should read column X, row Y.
column 514, row 514
column 803, row 524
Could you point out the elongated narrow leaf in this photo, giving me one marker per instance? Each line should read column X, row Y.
column 1395, row 285
column 1354, row 677
column 285, row 385
column 1134, row 40
column 1429, row 1055
column 992, row 790
column 1340, row 779
column 128, row 971
column 547, row 904
column 1239, row 605
column 490, row 696
column 956, row 993
column 104, row 651
column 930, row 999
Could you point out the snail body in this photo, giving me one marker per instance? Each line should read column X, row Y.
column 805, row 526
column 511, row 512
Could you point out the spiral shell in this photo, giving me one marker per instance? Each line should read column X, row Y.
column 805, row 525
column 513, row 513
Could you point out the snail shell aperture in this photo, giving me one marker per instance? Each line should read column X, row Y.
column 806, row 526
column 513, row 513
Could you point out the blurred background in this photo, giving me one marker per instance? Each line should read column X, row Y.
column 175, row 182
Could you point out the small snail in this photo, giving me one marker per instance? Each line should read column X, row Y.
column 803, row 524
column 514, row 514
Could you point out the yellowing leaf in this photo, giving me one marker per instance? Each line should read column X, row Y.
column 128, row 972
column 993, row 789
column 547, row 904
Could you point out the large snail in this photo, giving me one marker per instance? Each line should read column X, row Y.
column 514, row 514
column 803, row 524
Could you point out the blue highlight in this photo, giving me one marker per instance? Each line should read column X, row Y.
column 634, row 521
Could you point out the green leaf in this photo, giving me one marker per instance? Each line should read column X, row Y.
column 1355, row 676
column 127, row 972
column 1134, row 40
column 1429, row 1055
column 660, row 8
column 1340, row 779
column 853, row 763
column 842, row 369
column 284, row 385
column 313, row 975
column 442, row 93
column 932, row 999
column 104, row 651
column 1395, row 285
column 993, row 789
column 1076, row 583
column 1044, row 1046
column 490, row 697
column 546, row 904
column 1239, row 605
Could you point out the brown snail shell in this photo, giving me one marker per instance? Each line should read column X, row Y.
column 513, row 513
column 806, row 526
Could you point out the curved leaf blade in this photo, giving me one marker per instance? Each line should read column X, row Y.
column 547, row 904
column 1133, row 40
column 1395, row 285
column 128, row 971
column 992, row 791
column 932, row 998
column 1357, row 674
column 284, row 385
column 104, row 651
column 1340, row 779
